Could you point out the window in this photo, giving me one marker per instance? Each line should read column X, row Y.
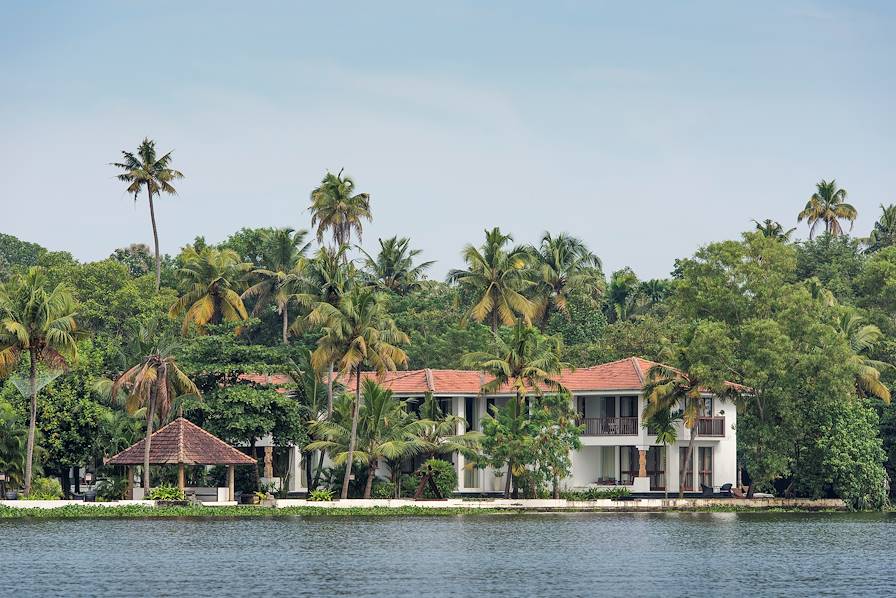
column 608, row 407
column 656, row 467
column 687, row 478
column 705, row 407
column 628, row 464
column 471, row 476
column 628, row 406
column 607, row 473
column 471, row 414
column 445, row 406
column 705, row 459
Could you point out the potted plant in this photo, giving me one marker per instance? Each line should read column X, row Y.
column 12, row 495
column 168, row 496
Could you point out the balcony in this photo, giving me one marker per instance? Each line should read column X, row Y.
column 610, row 426
column 710, row 426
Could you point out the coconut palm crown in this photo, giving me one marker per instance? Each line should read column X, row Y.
column 828, row 206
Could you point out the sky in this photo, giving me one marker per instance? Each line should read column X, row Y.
column 647, row 129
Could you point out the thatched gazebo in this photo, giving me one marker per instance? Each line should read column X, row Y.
column 184, row 443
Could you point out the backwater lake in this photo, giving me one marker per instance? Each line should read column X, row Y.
column 578, row 554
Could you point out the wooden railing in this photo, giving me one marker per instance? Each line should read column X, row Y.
column 710, row 426
column 610, row 426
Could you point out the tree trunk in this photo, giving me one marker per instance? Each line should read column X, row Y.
column 32, row 422
column 255, row 477
column 556, row 492
column 509, row 475
column 155, row 238
column 65, row 480
column 320, row 466
column 353, row 438
column 285, row 316
column 494, row 322
column 330, row 391
column 150, row 415
column 689, row 455
column 371, row 473
column 306, row 459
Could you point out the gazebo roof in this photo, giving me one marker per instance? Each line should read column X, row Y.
column 182, row 441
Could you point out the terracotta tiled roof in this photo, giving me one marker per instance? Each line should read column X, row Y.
column 182, row 441
column 624, row 375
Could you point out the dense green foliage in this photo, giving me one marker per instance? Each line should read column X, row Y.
column 807, row 329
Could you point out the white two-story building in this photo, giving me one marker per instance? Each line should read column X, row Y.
column 617, row 450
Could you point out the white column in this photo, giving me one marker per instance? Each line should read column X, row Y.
column 459, row 410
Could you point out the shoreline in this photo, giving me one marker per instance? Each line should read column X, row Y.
column 404, row 508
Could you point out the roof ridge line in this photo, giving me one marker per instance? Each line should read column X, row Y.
column 637, row 367
column 429, row 381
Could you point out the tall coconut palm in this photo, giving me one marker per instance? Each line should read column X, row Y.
column 560, row 265
column 439, row 430
column 828, row 205
column 884, row 232
column 393, row 267
column 209, row 279
column 312, row 397
column 664, row 424
column 327, row 277
column 152, row 383
column 357, row 333
column 623, row 295
column 36, row 320
column 773, row 230
column 337, row 208
column 144, row 169
column 383, row 431
column 281, row 275
column 862, row 337
column 683, row 388
column 527, row 363
column 495, row 276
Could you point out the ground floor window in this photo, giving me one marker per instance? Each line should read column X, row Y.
column 656, row 467
column 628, row 464
column 686, row 470
column 705, row 461
column 607, row 472
column 471, row 476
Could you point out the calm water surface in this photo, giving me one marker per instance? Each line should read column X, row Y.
column 713, row 555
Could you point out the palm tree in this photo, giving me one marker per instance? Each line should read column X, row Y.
column 496, row 278
column 327, row 277
column 526, row 363
column 13, row 446
column 37, row 321
column 561, row 265
column 144, row 169
column 383, row 430
column 440, row 431
column 312, row 397
column 335, row 207
column 862, row 337
column 667, row 388
column 357, row 332
column 210, row 278
column 828, row 205
column 284, row 258
column 663, row 423
column 884, row 232
column 153, row 383
column 393, row 267
column 623, row 295
column 773, row 230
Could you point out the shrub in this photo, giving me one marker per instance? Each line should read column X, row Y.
column 166, row 493
column 111, row 488
column 596, row 493
column 383, row 490
column 45, row 489
column 445, row 479
column 321, row 495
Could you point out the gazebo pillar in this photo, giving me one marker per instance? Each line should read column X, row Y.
column 181, row 477
column 231, row 494
column 129, row 488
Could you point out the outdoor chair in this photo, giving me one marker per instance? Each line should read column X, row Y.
column 707, row 491
column 725, row 491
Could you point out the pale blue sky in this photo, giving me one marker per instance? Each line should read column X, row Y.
column 647, row 131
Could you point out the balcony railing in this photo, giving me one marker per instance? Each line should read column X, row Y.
column 711, row 426
column 610, row 426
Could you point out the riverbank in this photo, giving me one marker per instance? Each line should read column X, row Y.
column 403, row 507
